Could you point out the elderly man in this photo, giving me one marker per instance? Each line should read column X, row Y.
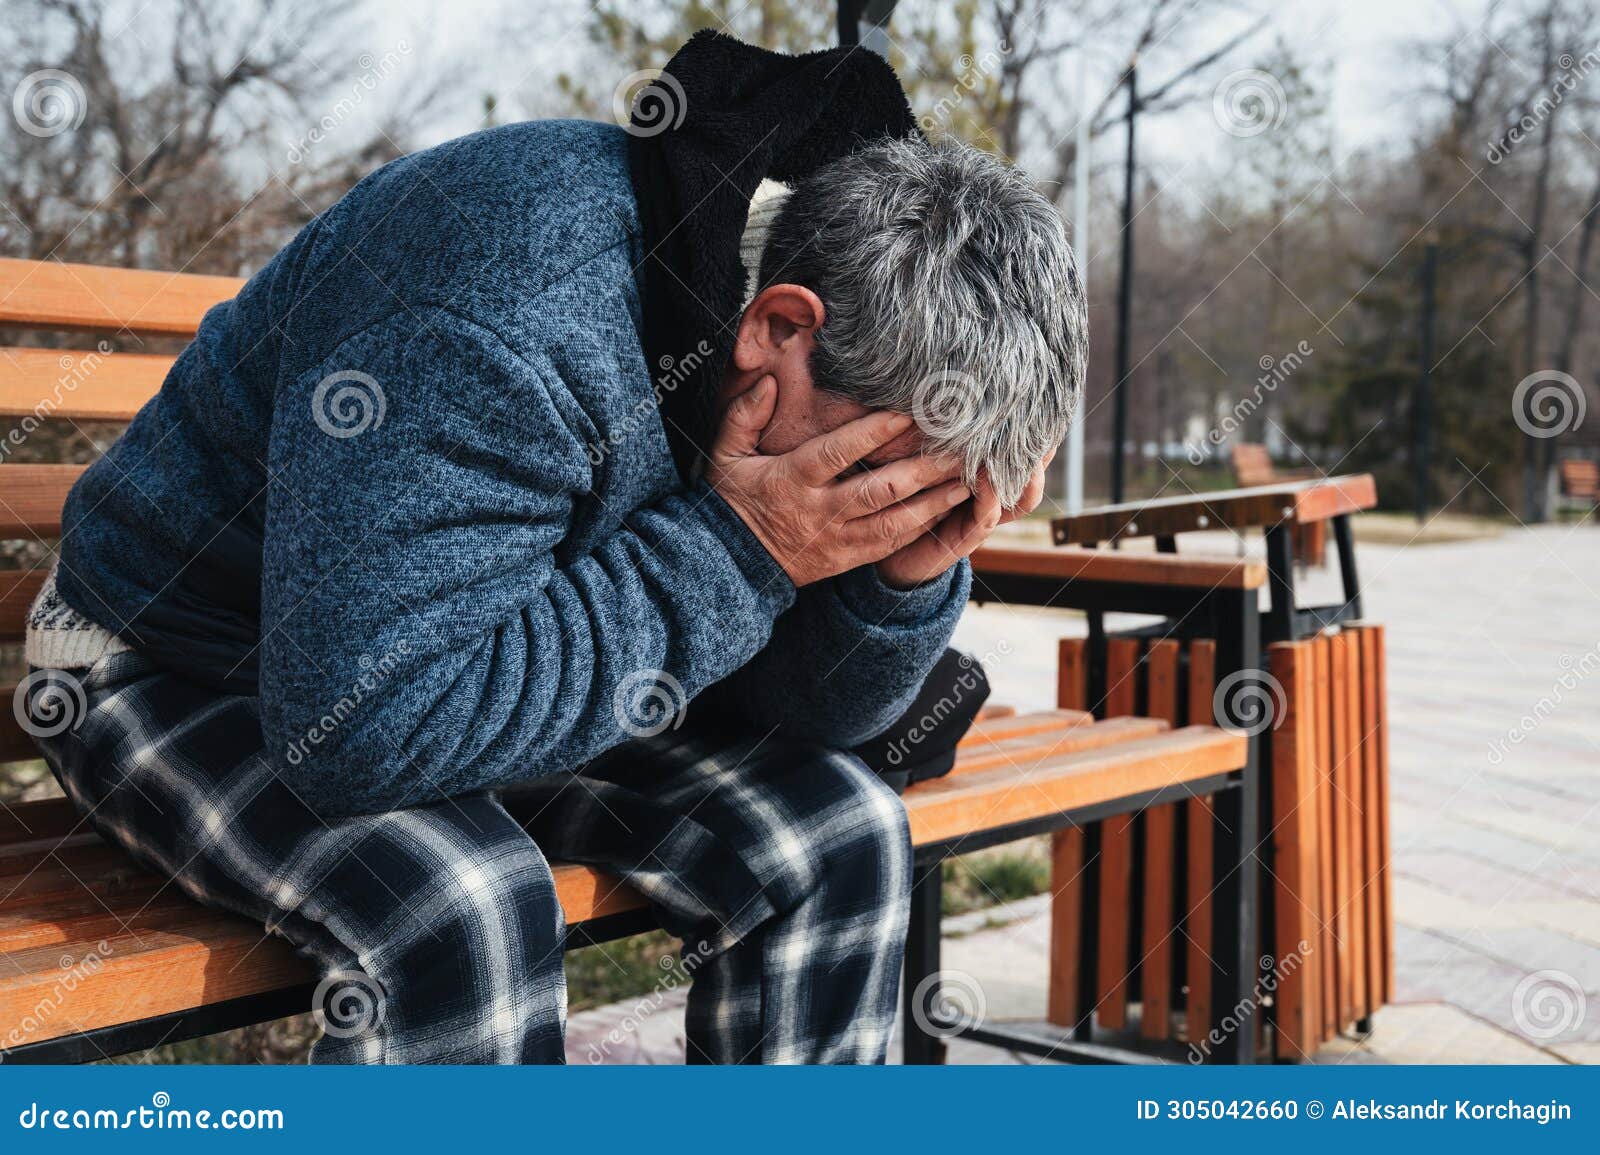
column 410, row 526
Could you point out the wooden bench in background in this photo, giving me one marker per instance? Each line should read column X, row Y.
column 98, row 957
column 1252, row 467
column 1579, row 484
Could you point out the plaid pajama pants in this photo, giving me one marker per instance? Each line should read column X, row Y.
column 785, row 868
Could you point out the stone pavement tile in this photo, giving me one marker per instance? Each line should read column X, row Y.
column 1007, row 966
column 1535, row 998
column 1562, row 827
column 1484, row 881
column 1445, row 830
column 1417, row 903
column 1432, row 1032
column 1586, row 1053
column 645, row 1030
column 1578, row 918
column 1535, row 948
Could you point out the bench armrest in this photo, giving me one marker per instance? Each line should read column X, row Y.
column 1293, row 503
column 1135, row 569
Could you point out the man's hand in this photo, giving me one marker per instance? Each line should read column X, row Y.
column 958, row 534
column 812, row 521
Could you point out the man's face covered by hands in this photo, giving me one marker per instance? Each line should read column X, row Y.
column 939, row 519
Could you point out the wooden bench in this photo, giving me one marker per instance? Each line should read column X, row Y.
column 1323, row 751
column 1580, row 484
column 98, row 957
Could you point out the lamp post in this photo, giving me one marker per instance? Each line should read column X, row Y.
column 1119, row 386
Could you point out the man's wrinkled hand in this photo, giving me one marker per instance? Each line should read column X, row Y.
column 959, row 533
column 813, row 520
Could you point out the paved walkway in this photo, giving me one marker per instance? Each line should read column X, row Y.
column 1494, row 682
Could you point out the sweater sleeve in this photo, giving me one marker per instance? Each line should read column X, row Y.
column 849, row 658
column 426, row 631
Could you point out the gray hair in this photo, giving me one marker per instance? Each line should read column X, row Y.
column 951, row 294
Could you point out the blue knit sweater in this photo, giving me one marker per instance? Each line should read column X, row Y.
column 414, row 479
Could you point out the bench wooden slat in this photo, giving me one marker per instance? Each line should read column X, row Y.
column 1372, row 815
column 31, row 497
column 948, row 808
column 1327, row 817
column 1355, row 802
column 1067, row 885
column 1084, row 736
column 1580, row 479
column 50, row 816
column 1294, row 841
column 168, row 966
column 18, row 588
column 1160, row 850
column 58, row 295
column 1252, row 464
column 1066, row 927
column 1380, row 663
column 78, row 385
column 1343, row 867
column 1112, row 971
column 987, row 730
column 1201, row 831
column 1115, row 568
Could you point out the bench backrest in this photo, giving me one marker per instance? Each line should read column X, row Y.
column 85, row 376
column 1252, row 464
column 1580, row 478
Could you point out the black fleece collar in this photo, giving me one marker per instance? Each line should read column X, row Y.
column 724, row 116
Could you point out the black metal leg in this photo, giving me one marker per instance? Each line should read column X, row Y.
column 1089, row 935
column 922, row 963
column 1344, row 541
column 1096, row 679
column 1280, row 577
column 1234, row 1007
column 1237, row 617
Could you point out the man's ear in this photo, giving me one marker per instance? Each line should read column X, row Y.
column 779, row 315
